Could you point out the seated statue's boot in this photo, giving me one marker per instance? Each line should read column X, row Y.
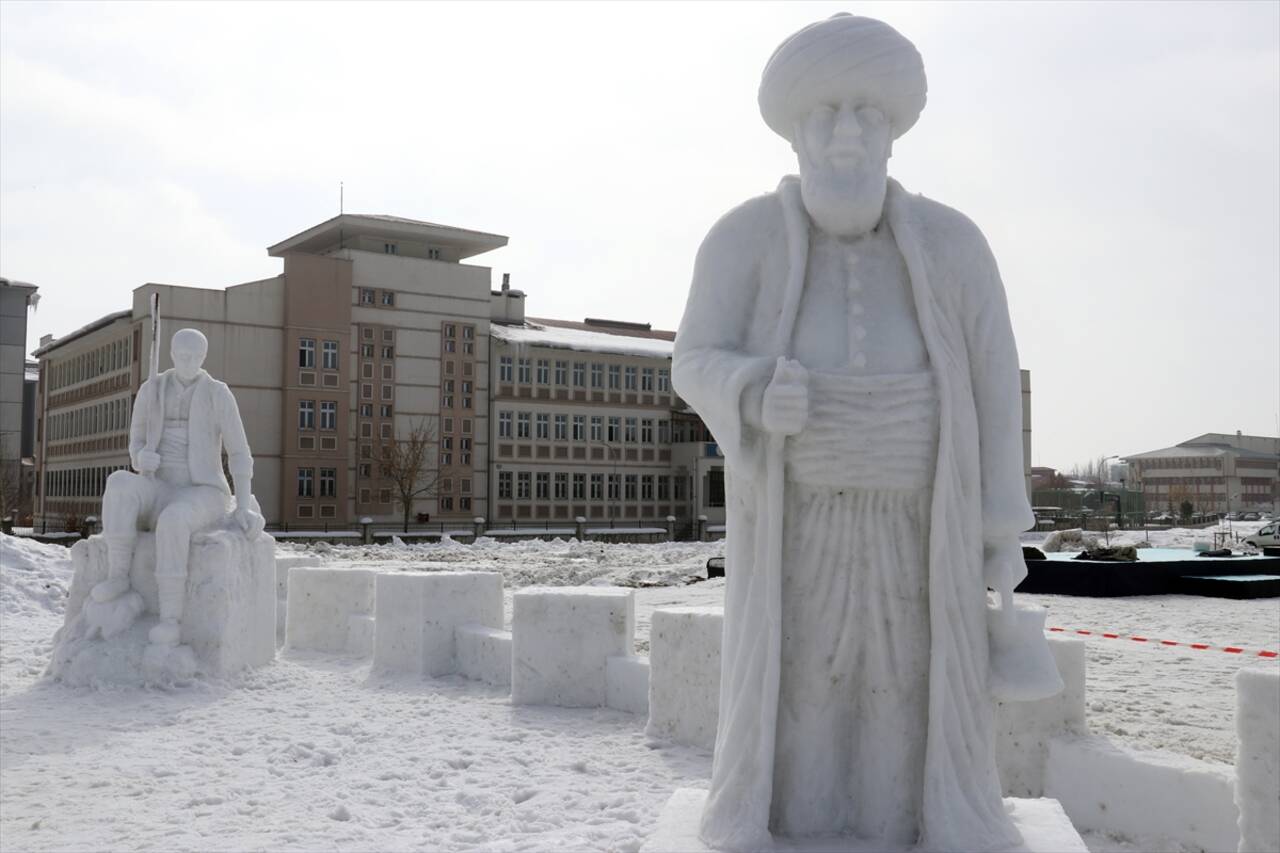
column 110, row 589
column 166, row 632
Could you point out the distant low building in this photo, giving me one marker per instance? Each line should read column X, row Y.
column 1214, row 472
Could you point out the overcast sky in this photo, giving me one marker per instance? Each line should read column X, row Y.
column 1123, row 160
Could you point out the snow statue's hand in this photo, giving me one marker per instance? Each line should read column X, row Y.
column 248, row 517
column 148, row 461
column 1003, row 569
column 785, row 407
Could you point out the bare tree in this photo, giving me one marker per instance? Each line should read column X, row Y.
column 10, row 489
column 407, row 462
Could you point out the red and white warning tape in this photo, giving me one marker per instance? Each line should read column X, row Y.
column 1233, row 650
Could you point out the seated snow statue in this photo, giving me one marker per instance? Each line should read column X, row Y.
column 182, row 579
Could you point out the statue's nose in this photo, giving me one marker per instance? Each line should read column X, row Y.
column 847, row 123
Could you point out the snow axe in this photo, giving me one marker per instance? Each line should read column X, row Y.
column 153, row 370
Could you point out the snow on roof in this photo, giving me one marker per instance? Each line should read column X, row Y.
column 581, row 340
column 105, row 320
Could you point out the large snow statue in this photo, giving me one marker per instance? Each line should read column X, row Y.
column 177, row 547
column 849, row 345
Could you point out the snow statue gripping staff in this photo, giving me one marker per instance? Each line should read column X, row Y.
column 183, row 421
column 849, row 345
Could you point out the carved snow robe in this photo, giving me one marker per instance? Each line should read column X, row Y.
column 747, row 263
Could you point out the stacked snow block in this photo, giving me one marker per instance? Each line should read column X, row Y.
column 483, row 653
column 1024, row 729
column 626, row 683
column 329, row 609
column 1258, row 759
column 562, row 639
column 684, row 680
column 285, row 562
column 418, row 614
column 1106, row 787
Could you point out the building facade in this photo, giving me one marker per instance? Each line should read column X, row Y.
column 1214, row 473
column 16, row 297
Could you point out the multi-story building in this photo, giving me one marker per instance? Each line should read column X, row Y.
column 374, row 328
column 15, row 298
column 1214, row 472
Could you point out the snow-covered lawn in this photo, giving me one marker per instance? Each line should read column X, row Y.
column 312, row 753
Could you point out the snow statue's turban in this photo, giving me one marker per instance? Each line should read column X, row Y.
column 838, row 59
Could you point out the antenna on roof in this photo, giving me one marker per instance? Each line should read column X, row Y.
column 340, row 211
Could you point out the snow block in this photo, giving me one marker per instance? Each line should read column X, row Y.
column 562, row 638
column 684, row 681
column 1044, row 826
column 229, row 619
column 1024, row 729
column 1258, row 759
column 483, row 653
column 285, row 562
column 626, row 683
column 1110, row 788
column 417, row 614
column 321, row 602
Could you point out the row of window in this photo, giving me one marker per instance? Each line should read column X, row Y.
column 307, row 354
column 307, row 480
column 620, row 377
column 328, row 414
column 369, row 296
column 566, row 485
column 87, row 482
column 564, row 427
column 448, row 398
column 105, row 359
column 1181, row 462
column 106, row 416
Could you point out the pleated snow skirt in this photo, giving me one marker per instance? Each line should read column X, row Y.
column 853, row 703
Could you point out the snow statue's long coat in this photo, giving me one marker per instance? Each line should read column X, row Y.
column 748, row 261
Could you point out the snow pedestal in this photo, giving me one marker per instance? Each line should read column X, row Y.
column 1110, row 788
column 1258, row 759
column 417, row 614
column 285, row 562
column 1044, row 827
column 626, row 683
column 484, row 654
column 228, row 624
column 684, row 680
column 562, row 639
column 329, row 609
column 1024, row 729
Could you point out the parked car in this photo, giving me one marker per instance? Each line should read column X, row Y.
column 1233, row 516
column 1250, row 516
column 1266, row 536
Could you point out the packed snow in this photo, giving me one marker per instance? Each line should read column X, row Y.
column 312, row 751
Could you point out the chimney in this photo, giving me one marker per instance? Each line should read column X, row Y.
column 506, row 281
column 1239, row 434
column 44, row 339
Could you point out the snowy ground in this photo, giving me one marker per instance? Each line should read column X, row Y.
column 311, row 753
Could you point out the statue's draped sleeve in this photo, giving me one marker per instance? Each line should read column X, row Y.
column 234, row 442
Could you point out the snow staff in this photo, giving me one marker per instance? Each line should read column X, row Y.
column 849, row 345
column 183, row 419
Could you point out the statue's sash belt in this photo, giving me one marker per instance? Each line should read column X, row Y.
column 874, row 432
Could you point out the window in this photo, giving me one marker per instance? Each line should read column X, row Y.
column 524, row 370
column 364, row 496
column 466, row 426
column 366, row 371
column 330, row 357
column 366, row 296
column 630, row 435
column 328, row 482
column 613, row 487
column 446, row 459
column 541, row 423
column 522, row 424
column 615, row 377
column 646, row 487
column 388, row 297
column 446, row 503
column 597, row 487
column 384, row 410
column 386, row 392
column 664, row 432
column 562, row 372
column 646, row 379
column 664, row 488
column 367, row 333
column 450, row 330
column 579, row 427
column 306, row 414
column 465, row 485
column 504, row 369
column 366, row 430
column 544, row 375
column 561, row 492
column 523, row 479
column 504, row 425
column 464, row 503
column 328, row 414
column 597, row 424
column 366, row 350
column 306, row 352
column 450, row 346
column 433, row 254
column 385, row 430
column 646, row 431
column 615, row 425
column 446, row 425
column 630, row 377
column 384, row 496
column 388, row 248
column 306, row 482
column 366, row 410
column 542, row 485
column 388, row 352
column 562, row 427
column 468, row 332
column 597, row 375
column 504, row 485
column 469, row 347
column 389, row 335
column 664, row 380
column 579, row 487
column 366, row 470
column 630, row 487
column 579, row 374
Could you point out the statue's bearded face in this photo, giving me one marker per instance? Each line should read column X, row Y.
column 188, row 350
column 844, row 165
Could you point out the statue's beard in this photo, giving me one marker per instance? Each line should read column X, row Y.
column 843, row 199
